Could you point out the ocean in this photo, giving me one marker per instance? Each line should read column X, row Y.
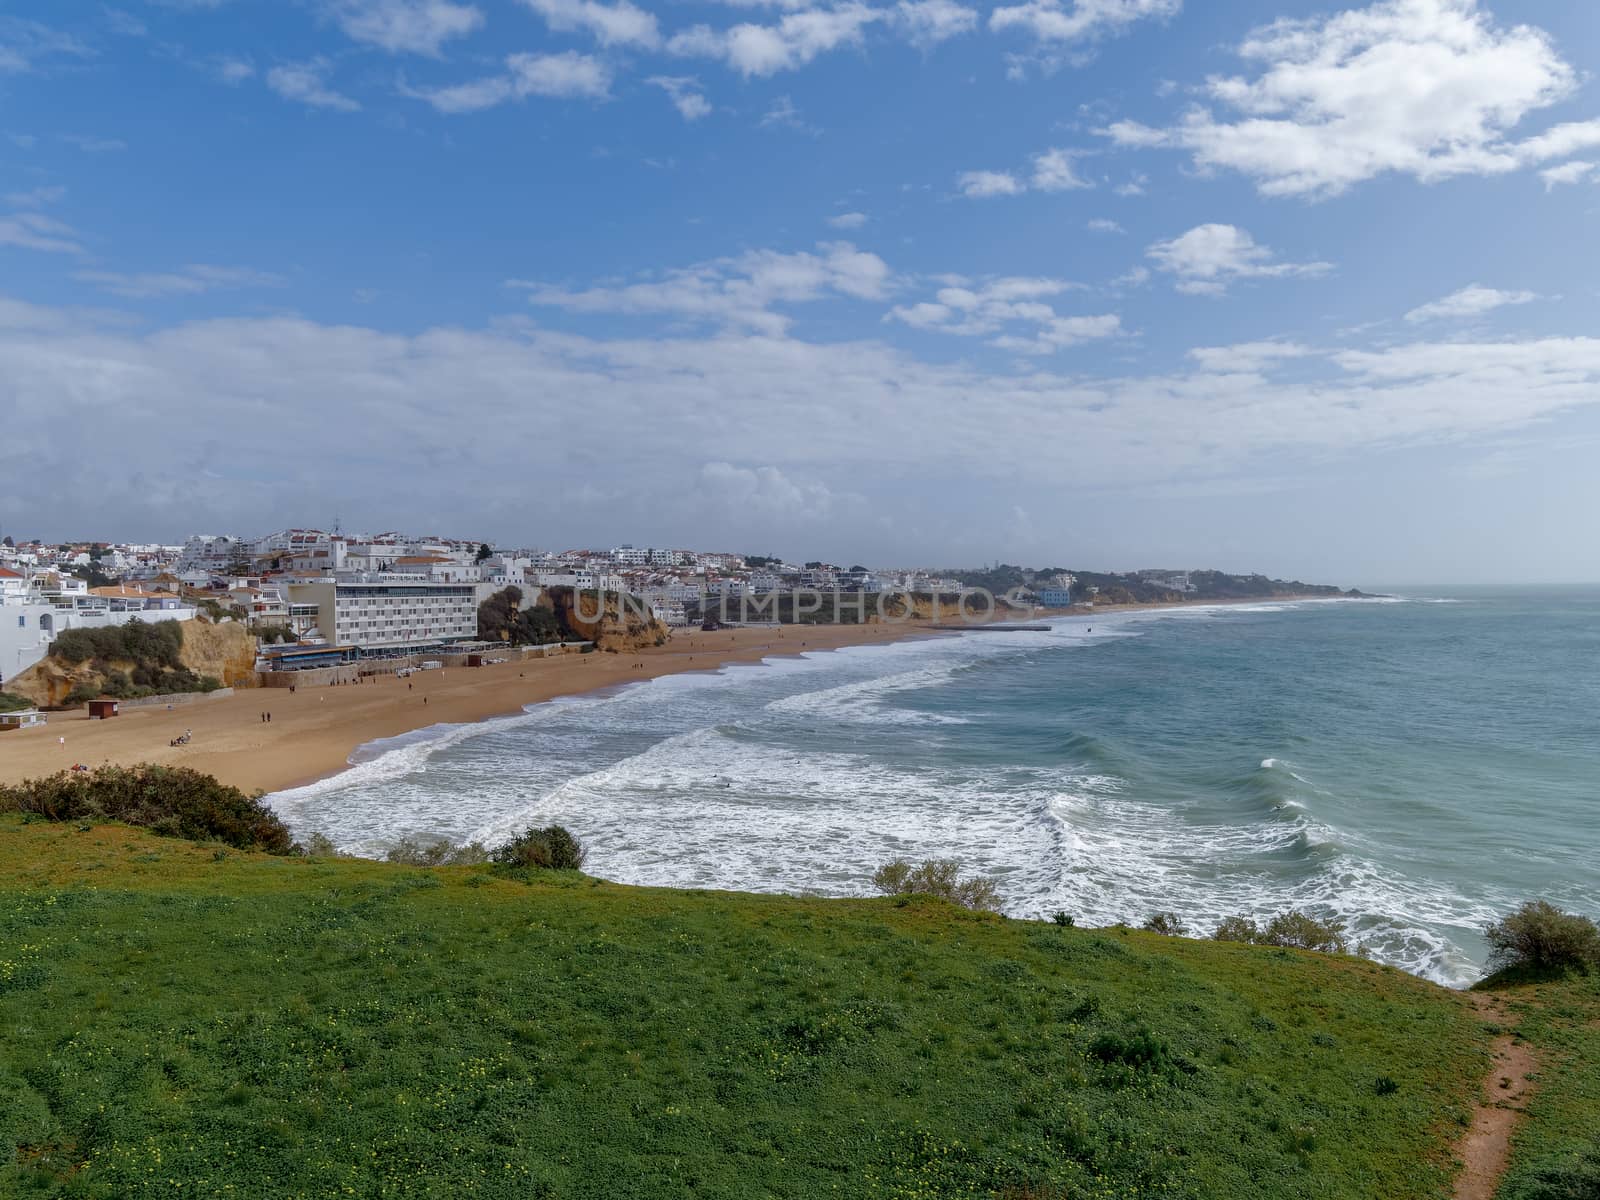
column 1414, row 766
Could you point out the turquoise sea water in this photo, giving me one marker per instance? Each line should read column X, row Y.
column 1414, row 767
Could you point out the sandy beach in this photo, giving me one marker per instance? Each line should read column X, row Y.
column 314, row 731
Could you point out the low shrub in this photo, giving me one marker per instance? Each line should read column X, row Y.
column 937, row 877
column 443, row 853
column 1236, row 929
column 170, row 801
column 1304, row 932
column 552, row 848
column 1296, row 929
column 1165, row 923
column 1541, row 937
column 319, row 845
column 10, row 702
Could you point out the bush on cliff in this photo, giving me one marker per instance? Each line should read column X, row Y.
column 550, row 848
column 157, row 644
column 937, row 877
column 501, row 618
column 1165, row 923
column 1296, row 929
column 171, row 801
column 1540, row 937
column 441, row 852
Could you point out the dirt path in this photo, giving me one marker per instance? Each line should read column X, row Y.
column 1485, row 1148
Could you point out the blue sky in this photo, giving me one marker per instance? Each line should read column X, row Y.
column 1120, row 283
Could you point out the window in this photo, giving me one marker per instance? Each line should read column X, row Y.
column 22, row 621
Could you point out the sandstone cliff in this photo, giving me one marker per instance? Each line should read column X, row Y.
column 225, row 652
column 617, row 628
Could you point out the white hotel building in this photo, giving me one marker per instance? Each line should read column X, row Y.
column 384, row 612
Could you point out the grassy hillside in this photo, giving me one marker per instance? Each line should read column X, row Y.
column 1556, row 1153
column 184, row 1020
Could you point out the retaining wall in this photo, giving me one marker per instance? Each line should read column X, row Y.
column 176, row 700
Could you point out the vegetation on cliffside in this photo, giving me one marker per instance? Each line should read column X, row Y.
column 121, row 661
column 203, row 1020
column 562, row 614
column 182, row 1016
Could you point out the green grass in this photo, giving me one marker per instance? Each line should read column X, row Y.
column 1556, row 1152
column 183, row 1020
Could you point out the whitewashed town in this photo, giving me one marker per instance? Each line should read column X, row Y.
column 383, row 593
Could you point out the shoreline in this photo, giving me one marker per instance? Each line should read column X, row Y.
column 314, row 733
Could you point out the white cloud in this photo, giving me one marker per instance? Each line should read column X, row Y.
column 1010, row 312
column 35, row 197
column 1053, row 172
column 1247, row 357
column 796, row 39
column 929, row 22
column 1569, row 172
column 1471, row 301
column 25, row 45
column 740, row 291
column 1428, row 88
column 1054, row 21
column 35, row 231
column 307, row 83
column 979, row 184
column 124, row 24
column 567, row 75
column 234, row 71
column 1104, row 225
column 784, row 115
column 849, row 220
column 188, row 281
column 562, row 76
column 766, row 491
column 162, row 398
column 684, row 92
column 1208, row 258
column 1050, row 171
column 406, row 26
column 618, row 24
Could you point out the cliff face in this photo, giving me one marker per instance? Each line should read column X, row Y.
column 48, row 681
column 225, row 652
column 617, row 628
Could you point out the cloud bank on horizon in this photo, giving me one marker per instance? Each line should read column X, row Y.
column 1129, row 282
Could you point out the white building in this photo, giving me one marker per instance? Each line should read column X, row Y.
column 33, row 611
column 582, row 580
column 390, row 611
column 211, row 552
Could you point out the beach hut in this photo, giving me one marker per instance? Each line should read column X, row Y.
column 28, row 718
column 99, row 710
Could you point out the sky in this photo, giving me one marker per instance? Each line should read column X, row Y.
column 1264, row 285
